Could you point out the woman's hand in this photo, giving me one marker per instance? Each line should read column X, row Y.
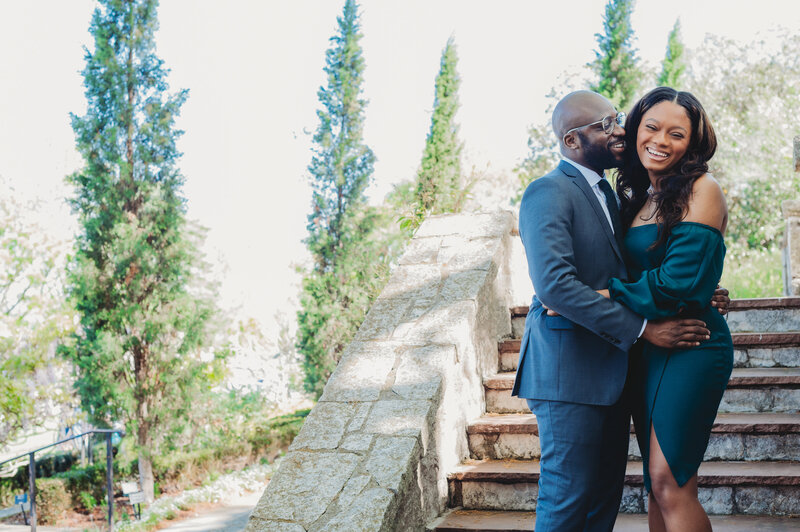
column 604, row 292
column 550, row 312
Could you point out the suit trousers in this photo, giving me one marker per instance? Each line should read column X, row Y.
column 584, row 453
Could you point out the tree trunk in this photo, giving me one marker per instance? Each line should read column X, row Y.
column 146, row 472
column 144, row 442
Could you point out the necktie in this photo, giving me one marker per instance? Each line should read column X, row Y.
column 613, row 209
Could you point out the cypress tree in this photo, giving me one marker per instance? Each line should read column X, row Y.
column 616, row 64
column 439, row 178
column 346, row 271
column 131, row 277
column 674, row 63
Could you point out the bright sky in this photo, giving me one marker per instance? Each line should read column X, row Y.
column 253, row 68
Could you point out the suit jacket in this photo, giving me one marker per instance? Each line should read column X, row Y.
column 580, row 356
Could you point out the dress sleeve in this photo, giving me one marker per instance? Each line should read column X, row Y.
column 685, row 279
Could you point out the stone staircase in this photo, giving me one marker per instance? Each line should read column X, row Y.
column 749, row 481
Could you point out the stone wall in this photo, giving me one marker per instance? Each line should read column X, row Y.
column 374, row 452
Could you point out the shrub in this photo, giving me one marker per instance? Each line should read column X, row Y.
column 278, row 431
column 52, row 500
column 87, row 500
column 90, row 479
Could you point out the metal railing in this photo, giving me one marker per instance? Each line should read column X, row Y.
column 109, row 472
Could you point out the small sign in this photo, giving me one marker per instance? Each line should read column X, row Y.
column 129, row 487
column 137, row 497
column 21, row 499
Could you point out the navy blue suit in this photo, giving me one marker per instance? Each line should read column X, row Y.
column 572, row 367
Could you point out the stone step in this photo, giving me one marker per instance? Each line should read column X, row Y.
column 456, row 520
column 772, row 314
column 749, row 390
column 725, row 488
column 757, row 350
column 743, row 437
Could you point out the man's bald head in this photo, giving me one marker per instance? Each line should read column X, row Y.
column 592, row 147
column 578, row 109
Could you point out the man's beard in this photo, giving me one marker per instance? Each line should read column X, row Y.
column 599, row 155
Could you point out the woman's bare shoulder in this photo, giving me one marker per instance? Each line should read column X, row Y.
column 707, row 204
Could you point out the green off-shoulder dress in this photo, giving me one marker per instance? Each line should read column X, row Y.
column 677, row 390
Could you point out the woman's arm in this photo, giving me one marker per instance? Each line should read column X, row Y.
column 688, row 275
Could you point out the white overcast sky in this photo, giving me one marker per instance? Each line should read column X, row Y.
column 253, row 68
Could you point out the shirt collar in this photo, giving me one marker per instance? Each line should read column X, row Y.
column 591, row 176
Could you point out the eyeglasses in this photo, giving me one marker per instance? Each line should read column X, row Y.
column 608, row 123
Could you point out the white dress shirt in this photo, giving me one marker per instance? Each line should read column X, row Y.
column 593, row 178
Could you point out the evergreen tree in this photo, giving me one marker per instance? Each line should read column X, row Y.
column 142, row 321
column 616, row 64
column 439, row 177
column 674, row 62
column 348, row 269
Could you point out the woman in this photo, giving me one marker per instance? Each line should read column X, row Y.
column 676, row 215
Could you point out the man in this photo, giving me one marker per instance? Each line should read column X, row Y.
column 573, row 362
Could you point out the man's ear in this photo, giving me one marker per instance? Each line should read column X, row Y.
column 571, row 141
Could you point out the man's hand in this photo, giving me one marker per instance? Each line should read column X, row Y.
column 720, row 300
column 676, row 333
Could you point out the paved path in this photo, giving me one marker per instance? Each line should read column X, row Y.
column 230, row 518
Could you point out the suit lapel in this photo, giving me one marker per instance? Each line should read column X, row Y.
column 581, row 183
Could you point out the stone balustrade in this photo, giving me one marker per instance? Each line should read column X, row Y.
column 374, row 452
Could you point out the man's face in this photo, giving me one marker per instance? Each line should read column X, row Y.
column 601, row 150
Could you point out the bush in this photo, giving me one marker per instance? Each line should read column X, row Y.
column 90, row 480
column 52, row 500
column 46, row 466
column 278, row 431
column 87, row 500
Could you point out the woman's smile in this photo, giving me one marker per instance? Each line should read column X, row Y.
column 655, row 154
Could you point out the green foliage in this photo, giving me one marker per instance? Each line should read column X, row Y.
column 87, row 500
column 34, row 318
column 46, row 466
column 348, row 268
column 753, row 273
column 439, row 179
column 751, row 92
column 89, row 480
column 52, row 500
column 237, row 426
column 674, row 64
column 132, row 279
column 616, row 64
column 278, row 431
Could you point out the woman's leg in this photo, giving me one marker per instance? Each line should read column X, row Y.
column 680, row 509
column 655, row 520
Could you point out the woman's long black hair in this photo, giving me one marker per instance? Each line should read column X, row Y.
column 633, row 181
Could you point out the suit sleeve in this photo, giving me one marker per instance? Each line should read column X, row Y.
column 685, row 279
column 545, row 226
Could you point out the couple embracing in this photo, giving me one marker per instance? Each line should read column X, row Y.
column 627, row 318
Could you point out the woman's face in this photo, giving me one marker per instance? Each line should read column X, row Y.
column 663, row 137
